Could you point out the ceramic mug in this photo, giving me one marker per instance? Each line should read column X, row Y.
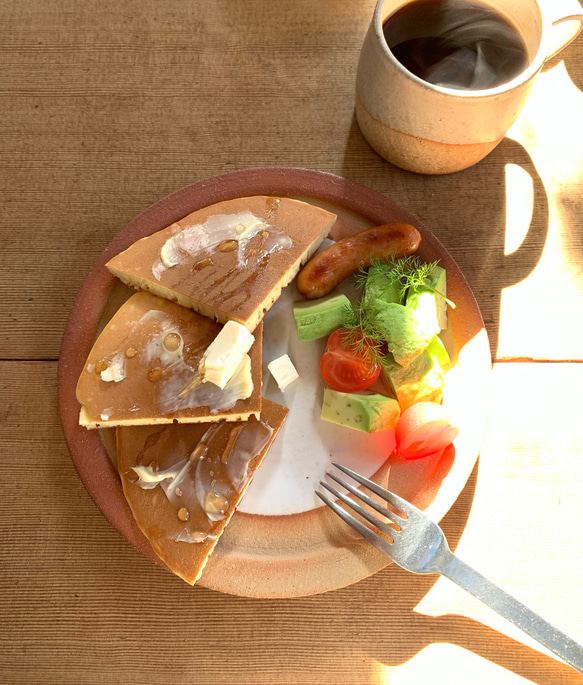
column 431, row 129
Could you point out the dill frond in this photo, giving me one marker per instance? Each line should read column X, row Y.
column 362, row 335
column 384, row 279
column 404, row 273
column 360, row 278
column 409, row 272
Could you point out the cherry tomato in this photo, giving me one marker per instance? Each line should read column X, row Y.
column 346, row 367
column 424, row 429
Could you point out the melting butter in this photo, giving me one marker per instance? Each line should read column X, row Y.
column 224, row 355
column 148, row 478
column 207, row 476
column 196, row 536
column 283, row 371
column 116, row 370
column 239, row 228
column 177, row 373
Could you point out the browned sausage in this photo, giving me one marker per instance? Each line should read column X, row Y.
column 331, row 266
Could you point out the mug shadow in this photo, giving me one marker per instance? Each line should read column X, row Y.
column 570, row 56
column 571, row 204
column 474, row 229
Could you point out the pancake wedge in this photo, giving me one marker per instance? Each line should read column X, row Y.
column 228, row 261
column 143, row 369
column 184, row 482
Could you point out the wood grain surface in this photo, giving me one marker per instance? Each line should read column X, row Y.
column 106, row 107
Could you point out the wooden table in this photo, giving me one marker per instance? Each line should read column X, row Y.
column 107, row 107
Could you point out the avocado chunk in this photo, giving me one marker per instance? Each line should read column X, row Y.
column 380, row 289
column 421, row 381
column 407, row 332
column 318, row 318
column 430, row 301
column 438, row 281
column 364, row 412
column 438, row 350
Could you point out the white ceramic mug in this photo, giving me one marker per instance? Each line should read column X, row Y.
column 430, row 129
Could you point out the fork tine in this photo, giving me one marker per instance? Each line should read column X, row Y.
column 354, row 523
column 360, row 510
column 398, row 502
column 367, row 499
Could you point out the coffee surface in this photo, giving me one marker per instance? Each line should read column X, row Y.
column 456, row 43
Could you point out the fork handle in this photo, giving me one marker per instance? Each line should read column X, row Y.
column 508, row 606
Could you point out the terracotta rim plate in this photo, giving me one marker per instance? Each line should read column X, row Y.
column 312, row 552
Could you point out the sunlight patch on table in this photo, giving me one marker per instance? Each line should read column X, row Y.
column 434, row 664
column 446, row 600
column 550, row 300
column 519, row 206
column 518, row 448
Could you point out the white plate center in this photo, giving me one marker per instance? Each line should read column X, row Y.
column 306, row 445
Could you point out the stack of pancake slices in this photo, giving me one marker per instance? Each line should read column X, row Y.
column 177, row 369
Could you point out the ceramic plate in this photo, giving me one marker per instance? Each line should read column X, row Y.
column 282, row 542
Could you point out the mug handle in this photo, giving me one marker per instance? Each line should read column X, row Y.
column 566, row 24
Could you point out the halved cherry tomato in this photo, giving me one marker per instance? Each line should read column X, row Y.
column 424, row 429
column 347, row 367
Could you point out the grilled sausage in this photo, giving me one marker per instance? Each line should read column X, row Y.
column 331, row 266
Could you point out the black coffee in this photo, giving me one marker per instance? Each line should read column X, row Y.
column 455, row 43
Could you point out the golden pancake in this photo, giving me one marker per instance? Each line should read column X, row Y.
column 143, row 370
column 184, row 482
column 228, row 261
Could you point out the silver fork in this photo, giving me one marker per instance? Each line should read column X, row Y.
column 417, row 544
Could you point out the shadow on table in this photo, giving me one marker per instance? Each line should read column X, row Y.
column 571, row 55
column 357, row 633
column 473, row 228
column 389, row 599
column 160, row 630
